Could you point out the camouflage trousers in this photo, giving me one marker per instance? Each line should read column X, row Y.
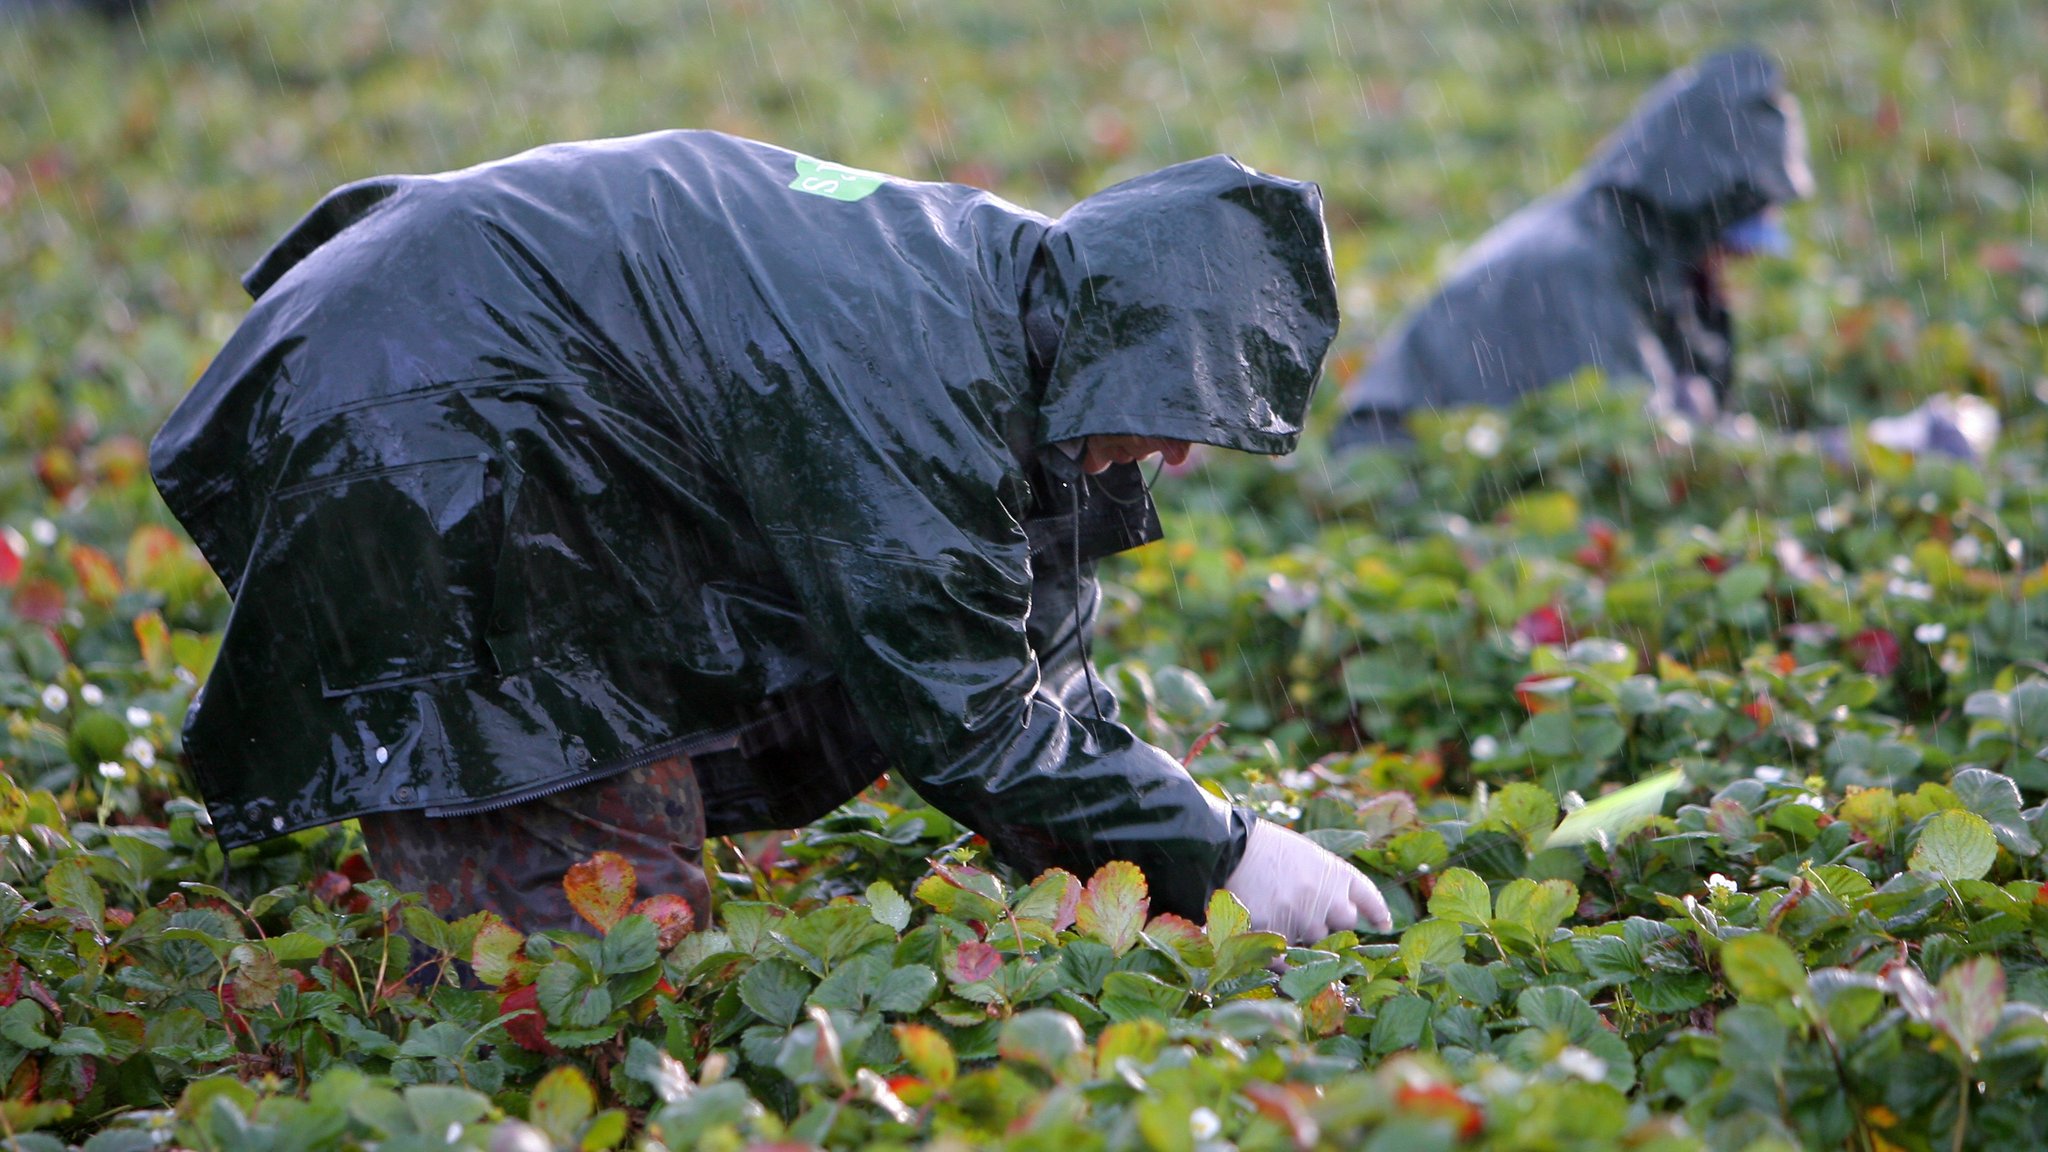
column 511, row 861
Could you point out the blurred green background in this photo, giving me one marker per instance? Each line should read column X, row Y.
column 145, row 161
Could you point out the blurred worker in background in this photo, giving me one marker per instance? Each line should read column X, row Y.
column 1621, row 270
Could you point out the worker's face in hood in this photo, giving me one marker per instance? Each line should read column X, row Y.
column 1714, row 143
column 1192, row 304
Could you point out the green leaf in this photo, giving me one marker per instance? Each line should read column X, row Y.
column 562, row 1103
column 1618, row 813
column 293, row 947
column 69, row 884
column 1538, row 908
column 1227, row 918
column 436, row 1108
column 1052, row 899
column 632, row 945
column 1245, row 953
column 775, row 989
column 1763, row 968
column 888, row 906
column 1043, row 1037
column 905, row 989
column 1955, row 845
column 1560, row 1010
column 1137, row 996
column 570, row 998
column 658, row 1070
column 1524, row 809
column 837, row 933
column 1113, row 905
column 1431, row 942
column 1461, row 897
column 1997, row 799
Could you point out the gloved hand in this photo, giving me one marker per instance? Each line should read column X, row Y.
column 1296, row 887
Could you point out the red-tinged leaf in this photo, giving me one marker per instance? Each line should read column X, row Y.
column 1545, row 625
column 600, row 889
column 1287, row 1105
column 910, row 1090
column 972, row 962
column 1113, row 905
column 971, row 879
column 10, row 984
column 119, row 917
column 1051, row 898
column 1324, row 1012
column 26, row 1082
column 1542, row 692
column 34, row 990
column 1170, row 931
column 528, row 1031
column 97, row 576
column 672, row 915
column 10, row 563
column 1442, row 1102
column 119, row 460
column 122, row 1032
column 41, row 601
column 154, row 640
column 1875, row 651
column 1969, row 1001
column 496, row 950
column 356, row 867
column 151, row 550
column 1760, row 711
column 330, row 887
column 928, row 1053
column 57, row 468
column 1202, row 742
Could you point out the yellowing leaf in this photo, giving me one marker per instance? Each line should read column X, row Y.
column 154, row 637
column 928, row 1052
column 97, row 577
column 600, row 889
column 1113, row 905
column 562, row 1103
column 495, row 950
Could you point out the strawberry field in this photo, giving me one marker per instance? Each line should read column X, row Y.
column 1705, row 772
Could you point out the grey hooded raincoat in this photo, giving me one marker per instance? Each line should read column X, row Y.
column 1615, row 271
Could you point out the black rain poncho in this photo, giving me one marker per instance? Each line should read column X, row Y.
column 527, row 474
column 1614, row 271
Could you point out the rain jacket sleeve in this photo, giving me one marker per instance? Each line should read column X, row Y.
column 918, row 583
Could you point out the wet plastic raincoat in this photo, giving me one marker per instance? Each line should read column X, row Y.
column 1615, row 271
column 527, row 474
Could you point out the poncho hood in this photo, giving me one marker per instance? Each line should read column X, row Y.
column 1717, row 141
column 1215, row 342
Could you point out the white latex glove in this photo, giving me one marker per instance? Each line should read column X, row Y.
column 1296, row 887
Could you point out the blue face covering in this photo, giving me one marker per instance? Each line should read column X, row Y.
column 1760, row 235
